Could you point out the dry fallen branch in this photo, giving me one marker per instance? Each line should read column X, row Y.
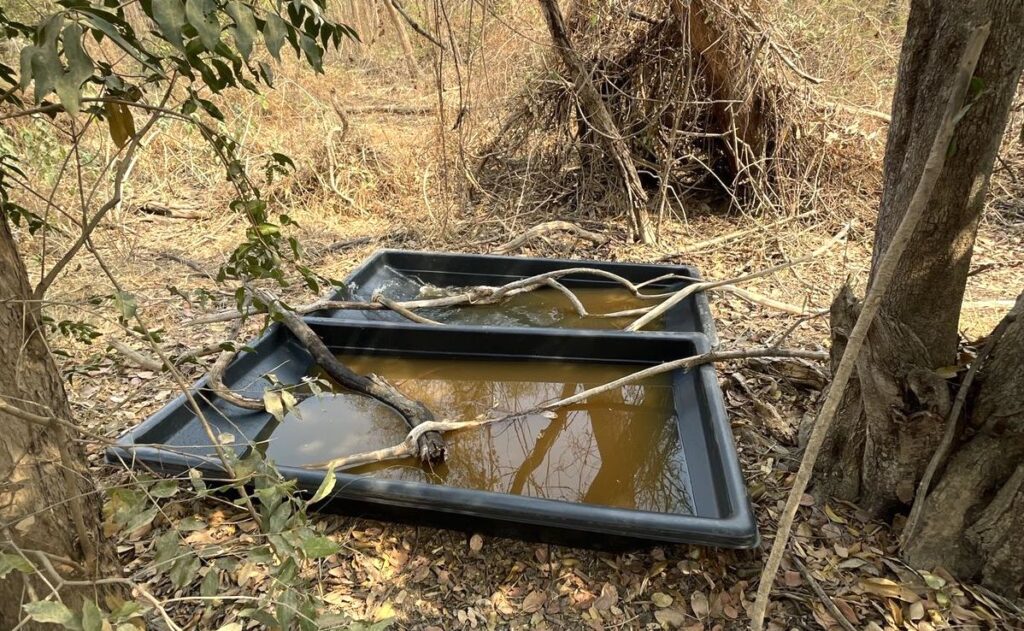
column 872, row 303
column 689, row 290
column 407, row 446
column 549, row 227
column 819, row 591
column 479, row 295
column 429, row 446
column 150, row 362
column 137, row 358
column 215, row 376
column 488, row 295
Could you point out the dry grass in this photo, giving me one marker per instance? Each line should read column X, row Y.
column 401, row 179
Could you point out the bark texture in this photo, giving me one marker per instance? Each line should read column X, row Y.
column 45, row 504
column 974, row 516
column 892, row 416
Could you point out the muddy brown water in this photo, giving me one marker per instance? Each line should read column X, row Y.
column 549, row 308
column 620, row 448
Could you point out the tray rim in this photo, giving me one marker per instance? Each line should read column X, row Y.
column 700, row 298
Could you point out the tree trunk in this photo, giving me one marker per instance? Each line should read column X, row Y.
column 403, row 38
column 595, row 112
column 46, row 495
column 892, row 415
column 974, row 516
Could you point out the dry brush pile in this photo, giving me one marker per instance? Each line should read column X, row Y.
column 714, row 107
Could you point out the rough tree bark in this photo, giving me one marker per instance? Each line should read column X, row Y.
column 974, row 516
column 893, row 413
column 593, row 109
column 47, row 501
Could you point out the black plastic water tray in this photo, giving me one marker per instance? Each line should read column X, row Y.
column 400, row 273
column 172, row 440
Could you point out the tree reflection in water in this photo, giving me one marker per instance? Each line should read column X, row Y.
column 619, row 449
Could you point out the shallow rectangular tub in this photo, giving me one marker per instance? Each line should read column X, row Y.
column 708, row 506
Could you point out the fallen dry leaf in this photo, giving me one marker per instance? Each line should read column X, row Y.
column 661, row 600
column 670, row 618
column 609, row 596
column 476, row 543
column 792, row 578
column 699, row 604
column 534, row 601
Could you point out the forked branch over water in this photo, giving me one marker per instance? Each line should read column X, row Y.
column 428, row 446
column 408, row 446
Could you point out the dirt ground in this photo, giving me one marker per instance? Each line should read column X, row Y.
column 392, row 177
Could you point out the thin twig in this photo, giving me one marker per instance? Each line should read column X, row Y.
column 833, row 610
column 402, row 311
column 689, row 290
column 879, row 286
column 140, row 360
column 547, row 227
column 415, row 25
column 88, row 227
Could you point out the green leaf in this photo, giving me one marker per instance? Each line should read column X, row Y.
column 45, row 70
column 69, row 84
column 245, row 27
column 325, row 487
column 50, row 611
column 126, row 304
column 140, row 520
column 313, row 52
column 92, row 617
column 101, row 23
column 196, row 477
column 128, row 610
column 318, row 547
column 170, row 17
column 286, row 606
column 164, row 489
column 167, row 548
column 25, row 73
column 201, row 14
column 279, row 517
column 274, row 32
column 9, row 562
column 268, row 229
column 210, row 585
column 184, row 570
column 80, row 65
column 68, row 93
